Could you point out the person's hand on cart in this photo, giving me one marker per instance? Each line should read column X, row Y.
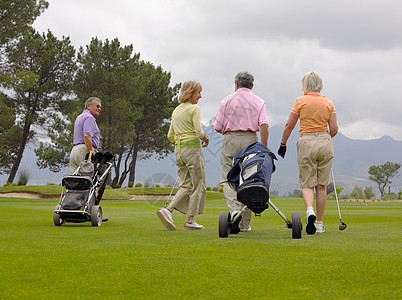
column 89, row 159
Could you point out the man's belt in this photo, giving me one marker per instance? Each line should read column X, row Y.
column 84, row 144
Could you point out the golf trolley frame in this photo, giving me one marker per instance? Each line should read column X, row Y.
column 250, row 177
column 90, row 211
column 227, row 224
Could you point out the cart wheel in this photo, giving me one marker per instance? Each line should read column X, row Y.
column 57, row 219
column 296, row 225
column 224, row 224
column 96, row 215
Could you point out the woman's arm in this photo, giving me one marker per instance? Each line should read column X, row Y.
column 290, row 124
column 171, row 134
column 198, row 128
column 333, row 125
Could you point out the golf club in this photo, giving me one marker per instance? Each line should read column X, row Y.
column 177, row 179
column 342, row 225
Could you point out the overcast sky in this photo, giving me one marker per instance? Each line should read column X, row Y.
column 355, row 45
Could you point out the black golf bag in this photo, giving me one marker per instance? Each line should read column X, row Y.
column 79, row 189
column 250, row 176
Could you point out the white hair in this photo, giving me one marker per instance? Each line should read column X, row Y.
column 90, row 100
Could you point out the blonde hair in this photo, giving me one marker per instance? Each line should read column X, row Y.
column 311, row 82
column 188, row 89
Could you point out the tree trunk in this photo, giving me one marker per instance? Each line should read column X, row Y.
column 381, row 188
column 21, row 149
column 127, row 168
column 117, row 167
column 133, row 163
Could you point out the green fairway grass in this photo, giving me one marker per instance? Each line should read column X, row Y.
column 134, row 257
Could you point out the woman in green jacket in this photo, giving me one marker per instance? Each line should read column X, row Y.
column 186, row 132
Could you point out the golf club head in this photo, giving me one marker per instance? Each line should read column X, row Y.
column 342, row 226
column 107, row 156
column 97, row 157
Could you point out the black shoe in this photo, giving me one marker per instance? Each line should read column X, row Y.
column 235, row 229
column 104, row 219
column 310, row 227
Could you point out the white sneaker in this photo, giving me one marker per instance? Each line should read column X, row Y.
column 166, row 218
column 248, row 229
column 310, row 219
column 192, row 226
column 319, row 226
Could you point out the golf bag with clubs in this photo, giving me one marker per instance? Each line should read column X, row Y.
column 84, row 190
column 250, row 176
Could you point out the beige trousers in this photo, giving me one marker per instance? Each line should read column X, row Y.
column 77, row 155
column 233, row 143
column 192, row 192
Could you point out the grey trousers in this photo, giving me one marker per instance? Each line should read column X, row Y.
column 233, row 143
column 192, row 192
column 77, row 155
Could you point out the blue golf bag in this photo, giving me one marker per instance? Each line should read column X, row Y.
column 250, row 176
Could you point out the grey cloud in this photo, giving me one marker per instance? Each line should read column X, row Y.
column 354, row 45
column 354, row 25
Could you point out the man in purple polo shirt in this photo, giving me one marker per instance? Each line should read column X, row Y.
column 86, row 133
column 240, row 116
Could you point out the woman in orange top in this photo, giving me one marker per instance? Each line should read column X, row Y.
column 314, row 147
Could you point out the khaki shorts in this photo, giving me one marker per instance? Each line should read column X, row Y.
column 314, row 156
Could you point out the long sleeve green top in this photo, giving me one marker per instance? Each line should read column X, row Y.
column 185, row 126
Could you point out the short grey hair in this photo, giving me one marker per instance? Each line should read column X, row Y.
column 311, row 82
column 245, row 79
column 90, row 100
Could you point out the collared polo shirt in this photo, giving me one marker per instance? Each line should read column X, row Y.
column 86, row 124
column 240, row 111
column 314, row 111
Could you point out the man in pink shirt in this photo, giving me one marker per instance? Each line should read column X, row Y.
column 240, row 116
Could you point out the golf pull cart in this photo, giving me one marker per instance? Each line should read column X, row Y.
column 80, row 203
column 250, row 176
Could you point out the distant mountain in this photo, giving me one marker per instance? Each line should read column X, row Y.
column 352, row 161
